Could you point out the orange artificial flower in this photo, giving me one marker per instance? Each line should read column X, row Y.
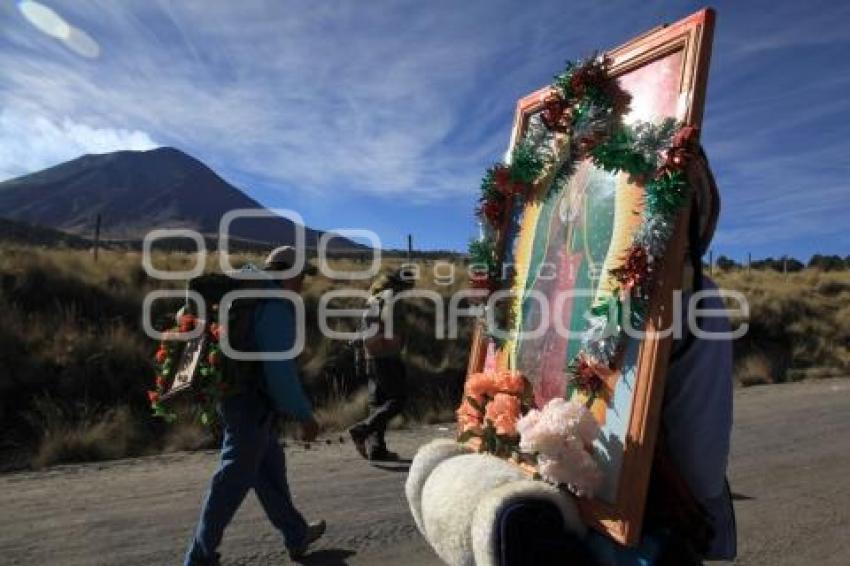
column 468, row 417
column 504, row 412
column 161, row 355
column 510, row 382
column 480, row 384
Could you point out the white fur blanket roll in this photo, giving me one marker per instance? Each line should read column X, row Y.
column 456, row 498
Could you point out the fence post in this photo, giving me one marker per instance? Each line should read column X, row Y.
column 96, row 237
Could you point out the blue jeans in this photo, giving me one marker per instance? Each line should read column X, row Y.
column 250, row 458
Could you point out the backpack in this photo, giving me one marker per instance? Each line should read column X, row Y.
column 358, row 346
column 226, row 376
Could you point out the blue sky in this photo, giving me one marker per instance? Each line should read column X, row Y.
column 383, row 114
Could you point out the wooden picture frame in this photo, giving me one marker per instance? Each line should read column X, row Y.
column 685, row 48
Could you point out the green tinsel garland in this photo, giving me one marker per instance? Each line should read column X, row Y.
column 666, row 194
column 595, row 104
column 526, row 164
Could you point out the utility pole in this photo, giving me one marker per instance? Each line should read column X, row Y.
column 749, row 261
column 96, row 237
column 409, row 247
column 710, row 262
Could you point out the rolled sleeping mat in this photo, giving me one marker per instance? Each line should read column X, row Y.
column 428, row 457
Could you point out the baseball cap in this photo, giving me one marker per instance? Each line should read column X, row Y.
column 284, row 257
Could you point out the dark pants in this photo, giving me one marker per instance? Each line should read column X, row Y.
column 387, row 393
column 250, row 458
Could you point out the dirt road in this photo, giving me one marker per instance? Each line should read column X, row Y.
column 790, row 472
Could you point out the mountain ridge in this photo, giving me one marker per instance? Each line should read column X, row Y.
column 137, row 191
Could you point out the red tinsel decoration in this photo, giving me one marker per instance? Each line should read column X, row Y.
column 501, row 177
column 480, row 282
column 634, row 271
column 681, row 148
column 493, row 211
column 555, row 114
column 586, row 377
column 505, row 185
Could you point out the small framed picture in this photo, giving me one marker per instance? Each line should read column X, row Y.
column 186, row 374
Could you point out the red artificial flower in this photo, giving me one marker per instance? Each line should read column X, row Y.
column 153, row 396
column 215, row 331
column 161, row 355
column 160, row 382
column 187, row 322
column 214, row 358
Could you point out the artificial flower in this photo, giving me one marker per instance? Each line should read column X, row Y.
column 481, row 384
column 187, row 323
column 561, row 434
column 503, row 411
column 469, row 418
column 509, row 382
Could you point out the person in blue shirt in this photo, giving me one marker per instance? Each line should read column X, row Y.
column 251, row 457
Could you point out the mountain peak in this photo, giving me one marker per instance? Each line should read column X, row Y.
column 135, row 192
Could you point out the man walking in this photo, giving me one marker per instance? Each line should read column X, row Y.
column 384, row 367
column 251, row 456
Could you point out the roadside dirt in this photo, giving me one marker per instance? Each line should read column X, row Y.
column 790, row 471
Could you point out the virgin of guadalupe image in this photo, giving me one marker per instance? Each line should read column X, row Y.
column 580, row 233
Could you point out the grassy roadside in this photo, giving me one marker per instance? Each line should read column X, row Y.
column 75, row 365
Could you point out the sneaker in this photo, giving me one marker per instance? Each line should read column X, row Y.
column 383, row 455
column 359, row 441
column 315, row 530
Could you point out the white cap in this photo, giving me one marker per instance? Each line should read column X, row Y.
column 284, row 257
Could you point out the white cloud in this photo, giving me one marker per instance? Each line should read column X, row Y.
column 309, row 95
column 30, row 141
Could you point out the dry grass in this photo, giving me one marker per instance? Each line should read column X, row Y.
column 74, row 363
column 799, row 324
column 103, row 436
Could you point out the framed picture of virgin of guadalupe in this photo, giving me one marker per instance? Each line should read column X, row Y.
column 585, row 247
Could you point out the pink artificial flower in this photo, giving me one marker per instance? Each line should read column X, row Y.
column 562, row 434
column 574, row 467
column 503, row 411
